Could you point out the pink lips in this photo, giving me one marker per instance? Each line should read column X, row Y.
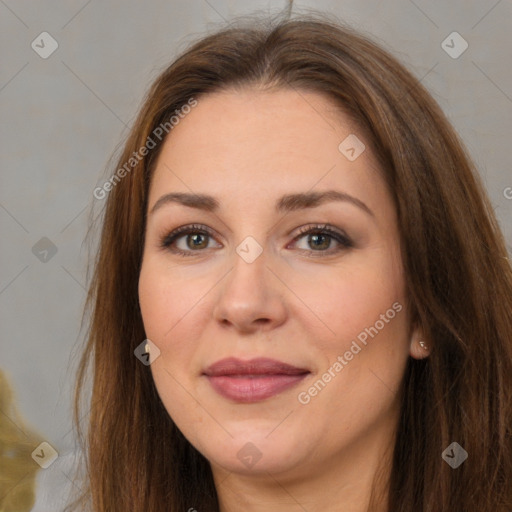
column 254, row 380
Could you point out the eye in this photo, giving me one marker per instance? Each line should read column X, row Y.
column 190, row 239
column 319, row 239
column 195, row 238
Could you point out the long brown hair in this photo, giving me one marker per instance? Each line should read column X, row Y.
column 458, row 278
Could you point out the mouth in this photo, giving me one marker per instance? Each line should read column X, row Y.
column 253, row 380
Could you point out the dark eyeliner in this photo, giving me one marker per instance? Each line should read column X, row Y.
column 167, row 240
column 341, row 238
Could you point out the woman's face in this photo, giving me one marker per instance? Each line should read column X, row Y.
column 280, row 351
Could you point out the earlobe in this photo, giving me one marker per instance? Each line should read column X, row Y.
column 419, row 348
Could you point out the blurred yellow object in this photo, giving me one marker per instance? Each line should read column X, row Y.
column 17, row 468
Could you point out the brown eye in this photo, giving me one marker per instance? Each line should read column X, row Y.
column 196, row 241
column 320, row 239
column 187, row 240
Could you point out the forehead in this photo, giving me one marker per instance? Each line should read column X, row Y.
column 272, row 142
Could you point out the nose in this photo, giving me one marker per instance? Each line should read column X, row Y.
column 251, row 297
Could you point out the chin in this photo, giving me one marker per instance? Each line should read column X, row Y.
column 254, row 451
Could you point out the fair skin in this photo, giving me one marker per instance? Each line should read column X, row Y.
column 301, row 301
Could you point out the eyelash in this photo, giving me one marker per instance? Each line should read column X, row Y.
column 324, row 229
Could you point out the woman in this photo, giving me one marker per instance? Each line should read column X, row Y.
column 302, row 298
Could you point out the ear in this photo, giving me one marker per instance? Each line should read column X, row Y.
column 419, row 347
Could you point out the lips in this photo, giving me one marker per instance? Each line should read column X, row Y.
column 253, row 380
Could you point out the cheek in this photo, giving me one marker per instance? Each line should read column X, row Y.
column 371, row 323
column 156, row 304
column 369, row 319
column 167, row 301
column 181, row 402
column 368, row 323
column 164, row 304
column 348, row 300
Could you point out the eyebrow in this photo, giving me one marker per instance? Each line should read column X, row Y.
column 287, row 203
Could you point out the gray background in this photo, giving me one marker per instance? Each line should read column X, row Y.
column 64, row 116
